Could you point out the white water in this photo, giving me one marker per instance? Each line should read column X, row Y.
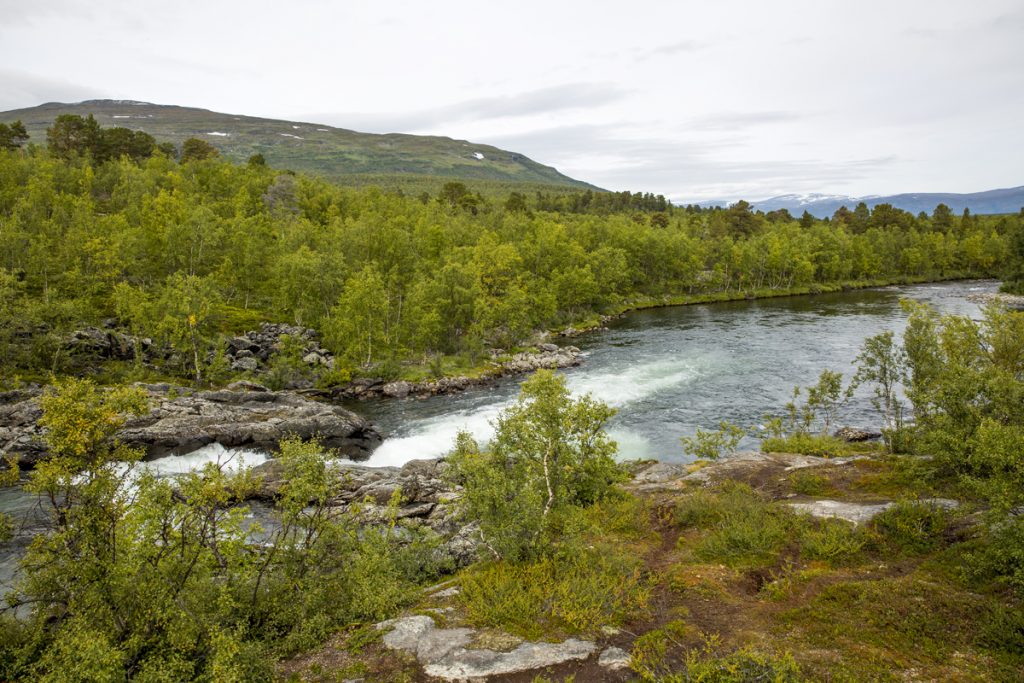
column 619, row 387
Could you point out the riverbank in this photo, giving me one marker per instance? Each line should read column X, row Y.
column 598, row 321
column 786, row 567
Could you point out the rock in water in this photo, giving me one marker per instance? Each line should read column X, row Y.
column 255, row 419
column 247, row 418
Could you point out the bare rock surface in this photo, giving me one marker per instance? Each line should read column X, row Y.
column 860, row 513
column 180, row 423
column 444, row 654
column 614, row 659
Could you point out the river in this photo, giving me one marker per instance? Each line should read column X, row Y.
column 671, row 370
column 667, row 371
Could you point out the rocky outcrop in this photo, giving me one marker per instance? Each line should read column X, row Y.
column 427, row 499
column 182, row 423
column 855, row 435
column 107, row 344
column 445, row 653
column 549, row 356
column 859, row 513
column 252, row 351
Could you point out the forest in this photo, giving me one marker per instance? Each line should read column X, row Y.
column 106, row 227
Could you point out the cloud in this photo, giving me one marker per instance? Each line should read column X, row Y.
column 684, row 170
column 530, row 103
column 741, row 120
column 680, row 47
column 22, row 89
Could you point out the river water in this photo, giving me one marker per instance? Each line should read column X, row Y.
column 671, row 370
column 667, row 371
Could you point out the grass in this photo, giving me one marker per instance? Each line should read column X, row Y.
column 741, row 527
column 597, row 579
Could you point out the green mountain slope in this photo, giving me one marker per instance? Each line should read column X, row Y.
column 333, row 152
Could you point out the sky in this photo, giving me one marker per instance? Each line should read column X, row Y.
column 694, row 100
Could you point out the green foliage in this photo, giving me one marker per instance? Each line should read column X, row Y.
column 12, row 136
column 1000, row 555
column 549, row 453
column 821, row 445
column 659, row 656
column 194, row 149
column 882, row 365
column 286, row 364
column 707, row 445
column 911, row 527
column 741, row 528
column 153, row 579
column 834, row 541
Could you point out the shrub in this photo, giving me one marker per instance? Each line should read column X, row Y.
column 652, row 660
column 911, row 527
column 711, row 445
column 577, row 590
column 832, row 540
column 742, row 528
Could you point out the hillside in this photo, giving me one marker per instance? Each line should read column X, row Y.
column 337, row 153
column 1008, row 200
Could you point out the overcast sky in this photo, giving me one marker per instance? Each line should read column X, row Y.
column 695, row 100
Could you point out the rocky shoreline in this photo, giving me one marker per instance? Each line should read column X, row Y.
column 548, row 356
column 181, row 420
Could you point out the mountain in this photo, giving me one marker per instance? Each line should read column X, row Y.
column 325, row 150
column 1009, row 200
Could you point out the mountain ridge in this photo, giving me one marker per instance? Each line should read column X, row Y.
column 306, row 146
column 997, row 201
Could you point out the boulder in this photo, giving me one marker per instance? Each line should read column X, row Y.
column 396, row 389
column 854, row 435
column 252, row 418
column 248, row 364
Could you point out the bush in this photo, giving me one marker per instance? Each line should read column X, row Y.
column 652, row 659
column 711, row 445
column 833, row 541
column 743, row 529
column 577, row 590
column 549, row 454
column 911, row 527
column 821, row 445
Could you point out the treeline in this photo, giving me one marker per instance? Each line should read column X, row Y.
column 182, row 252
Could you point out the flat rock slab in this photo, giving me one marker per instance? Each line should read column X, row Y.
column 662, row 476
column 859, row 513
column 443, row 653
column 614, row 659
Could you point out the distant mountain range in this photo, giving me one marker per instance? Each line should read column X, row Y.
column 325, row 150
column 1009, row 200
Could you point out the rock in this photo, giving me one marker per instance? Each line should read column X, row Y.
column 614, row 658
column 548, row 348
column 245, row 365
column 463, row 664
column 854, row 435
column 396, row 389
column 255, row 418
column 245, row 385
column 859, row 513
column 314, row 358
column 443, row 652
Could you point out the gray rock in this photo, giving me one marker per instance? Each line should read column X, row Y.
column 253, row 418
column 548, row 348
column 443, row 652
column 461, row 664
column 249, row 364
column 398, row 389
column 614, row 658
column 860, row 513
column 854, row 435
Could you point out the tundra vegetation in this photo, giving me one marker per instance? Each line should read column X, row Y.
column 148, row 579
